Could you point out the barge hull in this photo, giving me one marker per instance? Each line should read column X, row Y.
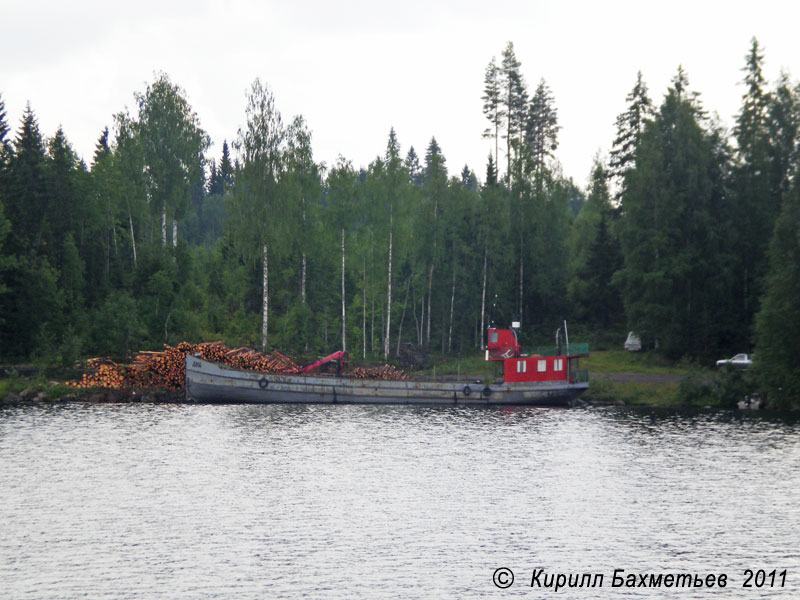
column 207, row 381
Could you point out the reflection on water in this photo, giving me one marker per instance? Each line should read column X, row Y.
column 186, row 501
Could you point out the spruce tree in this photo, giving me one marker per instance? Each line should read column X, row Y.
column 413, row 167
column 595, row 256
column 101, row 148
column 630, row 126
column 214, row 182
column 3, row 132
column 26, row 200
column 225, row 170
column 778, row 321
column 65, row 204
column 671, row 231
column 491, row 171
column 756, row 206
column 783, row 125
column 541, row 130
column 5, row 157
column 468, row 179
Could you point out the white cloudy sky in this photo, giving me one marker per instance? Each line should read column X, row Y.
column 354, row 69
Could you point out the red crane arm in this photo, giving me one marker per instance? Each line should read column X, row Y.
column 339, row 355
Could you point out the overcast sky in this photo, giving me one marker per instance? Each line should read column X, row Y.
column 355, row 69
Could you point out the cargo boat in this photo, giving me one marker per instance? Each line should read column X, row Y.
column 548, row 377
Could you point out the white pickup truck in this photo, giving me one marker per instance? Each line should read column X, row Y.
column 740, row 360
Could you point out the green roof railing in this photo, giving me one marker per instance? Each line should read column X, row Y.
column 566, row 350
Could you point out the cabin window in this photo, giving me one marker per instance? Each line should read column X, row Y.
column 542, row 366
column 522, row 366
column 558, row 364
column 493, row 337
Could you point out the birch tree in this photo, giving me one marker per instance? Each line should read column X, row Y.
column 303, row 186
column 341, row 198
column 172, row 144
column 395, row 176
column 256, row 205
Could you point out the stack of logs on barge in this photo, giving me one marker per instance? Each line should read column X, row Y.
column 167, row 369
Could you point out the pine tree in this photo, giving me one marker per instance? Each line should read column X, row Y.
column 515, row 100
column 493, row 108
column 630, row 126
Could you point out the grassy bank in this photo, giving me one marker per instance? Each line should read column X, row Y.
column 647, row 379
column 622, row 361
column 633, row 379
column 631, row 393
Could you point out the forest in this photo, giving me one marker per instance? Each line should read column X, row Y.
column 688, row 233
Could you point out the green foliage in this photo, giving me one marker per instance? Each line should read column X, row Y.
column 595, row 257
column 756, row 205
column 399, row 251
column 541, row 128
column 778, row 322
column 723, row 388
column 116, row 328
column 514, row 97
column 630, row 126
column 172, row 145
column 673, row 231
column 32, row 308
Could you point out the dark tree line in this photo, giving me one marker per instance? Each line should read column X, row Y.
column 688, row 236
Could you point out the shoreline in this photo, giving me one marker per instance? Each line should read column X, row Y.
column 616, row 379
column 33, row 397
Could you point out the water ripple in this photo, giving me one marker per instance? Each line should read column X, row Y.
column 138, row 501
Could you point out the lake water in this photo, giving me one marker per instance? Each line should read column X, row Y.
column 243, row 501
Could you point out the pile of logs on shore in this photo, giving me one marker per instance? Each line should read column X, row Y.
column 167, row 369
column 104, row 373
